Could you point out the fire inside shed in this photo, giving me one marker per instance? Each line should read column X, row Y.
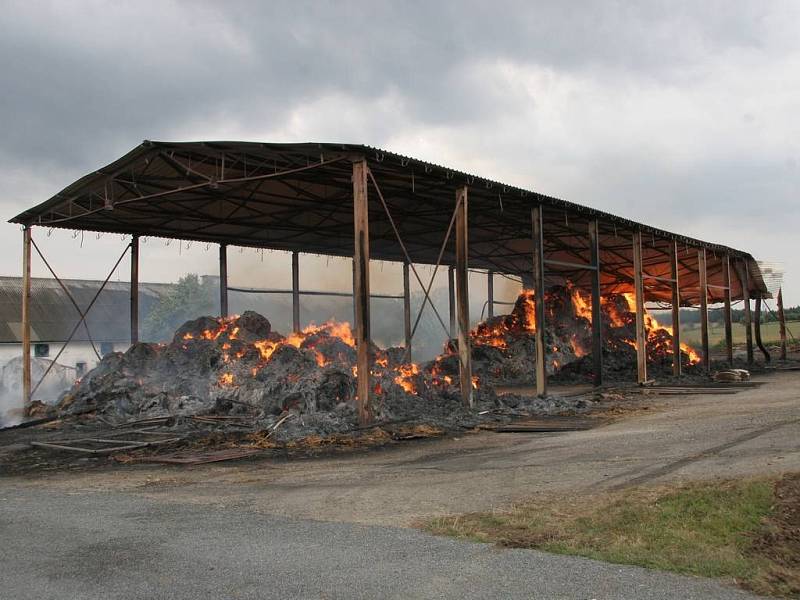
column 586, row 274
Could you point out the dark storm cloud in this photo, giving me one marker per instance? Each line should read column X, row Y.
column 675, row 113
column 107, row 73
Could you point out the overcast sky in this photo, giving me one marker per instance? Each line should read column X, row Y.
column 678, row 114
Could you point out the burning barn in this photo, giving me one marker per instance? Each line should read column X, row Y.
column 587, row 276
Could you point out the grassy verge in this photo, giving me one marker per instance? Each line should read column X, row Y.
column 731, row 529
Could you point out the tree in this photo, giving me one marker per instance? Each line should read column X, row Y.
column 190, row 298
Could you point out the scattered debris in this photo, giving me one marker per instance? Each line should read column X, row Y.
column 198, row 458
column 545, row 425
column 732, row 375
column 126, row 440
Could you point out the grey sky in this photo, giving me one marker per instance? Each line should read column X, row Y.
column 678, row 114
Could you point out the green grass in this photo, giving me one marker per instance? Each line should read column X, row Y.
column 716, row 333
column 699, row 529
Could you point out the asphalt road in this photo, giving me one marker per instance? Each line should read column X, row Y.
column 112, row 546
column 328, row 527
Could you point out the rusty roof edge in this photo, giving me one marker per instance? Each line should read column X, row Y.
column 372, row 154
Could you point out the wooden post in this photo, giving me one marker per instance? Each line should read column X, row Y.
column 490, row 294
column 134, row 289
column 782, row 324
column 597, row 320
column 223, row 280
column 296, row 292
column 638, row 287
column 726, row 272
column 354, row 291
column 361, row 289
column 537, row 235
column 26, row 317
column 701, row 267
column 676, row 311
column 462, row 296
column 407, row 308
column 757, row 326
column 451, row 296
column 744, row 279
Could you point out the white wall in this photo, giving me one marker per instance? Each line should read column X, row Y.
column 74, row 353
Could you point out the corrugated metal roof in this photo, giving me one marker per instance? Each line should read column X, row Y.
column 53, row 316
column 299, row 197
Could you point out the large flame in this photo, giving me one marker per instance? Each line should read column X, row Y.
column 652, row 328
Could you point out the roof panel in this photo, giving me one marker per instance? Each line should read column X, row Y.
column 298, row 197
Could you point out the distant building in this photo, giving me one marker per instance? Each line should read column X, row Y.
column 53, row 317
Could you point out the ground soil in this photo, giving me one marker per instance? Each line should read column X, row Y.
column 781, row 541
column 752, row 432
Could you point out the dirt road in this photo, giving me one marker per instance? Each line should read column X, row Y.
column 752, row 432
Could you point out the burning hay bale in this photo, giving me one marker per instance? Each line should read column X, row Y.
column 240, row 366
column 503, row 348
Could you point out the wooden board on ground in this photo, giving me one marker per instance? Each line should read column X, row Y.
column 111, row 442
column 545, row 425
column 199, row 458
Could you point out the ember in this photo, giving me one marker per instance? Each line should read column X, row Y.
column 218, row 364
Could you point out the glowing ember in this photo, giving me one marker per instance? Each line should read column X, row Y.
column 529, row 315
column 405, row 378
column 226, row 379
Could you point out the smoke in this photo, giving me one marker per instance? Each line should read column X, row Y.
column 58, row 380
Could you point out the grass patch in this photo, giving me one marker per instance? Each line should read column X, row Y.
column 712, row 529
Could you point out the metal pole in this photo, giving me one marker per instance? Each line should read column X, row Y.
column 134, row 289
column 26, row 317
column 744, row 280
column 757, row 324
column 462, row 296
column 727, row 310
column 223, row 280
column 703, row 276
column 296, row 292
column 676, row 311
column 490, row 294
column 638, row 285
column 407, row 309
column 451, row 295
column 361, row 288
column 537, row 235
column 597, row 323
column 782, row 322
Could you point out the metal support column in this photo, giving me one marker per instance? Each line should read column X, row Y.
column 782, row 324
column 26, row 317
column 537, row 235
column 757, row 327
column 726, row 272
column 223, row 280
column 407, row 309
column 134, row 289
column 597, row 322
column 744, row 280
column 703, row 277
column 361, row 289
column 638, row 286
column 676, row 311
column 451, row 296
column 490, row 294
column 462, row 296
column 296, row 292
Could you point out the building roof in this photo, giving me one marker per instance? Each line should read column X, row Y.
column 53, row 315
column 299, row 197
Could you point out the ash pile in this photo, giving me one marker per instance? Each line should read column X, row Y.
column 240, row 366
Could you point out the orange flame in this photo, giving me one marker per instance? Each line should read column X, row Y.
column 405, row 378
